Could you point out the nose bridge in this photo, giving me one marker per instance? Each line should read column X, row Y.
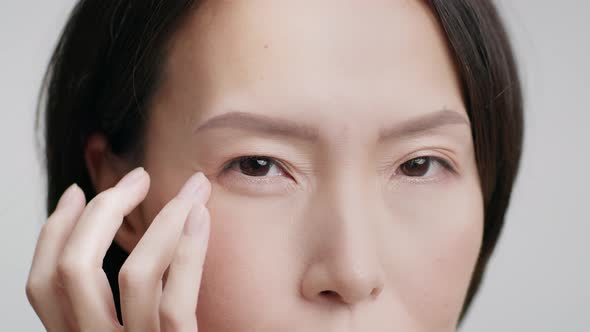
column 348, row 195
column 346, row 261
column 349, row 217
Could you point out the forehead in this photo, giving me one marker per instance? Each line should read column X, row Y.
column 323, row 57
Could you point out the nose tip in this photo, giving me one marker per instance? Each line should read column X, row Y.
column 346, row 287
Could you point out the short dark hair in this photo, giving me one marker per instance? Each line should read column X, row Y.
column 108, row 62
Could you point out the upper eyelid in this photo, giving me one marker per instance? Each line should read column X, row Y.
column 439, row 160
column 424, row 153
column 445, row 163
column 435, row 154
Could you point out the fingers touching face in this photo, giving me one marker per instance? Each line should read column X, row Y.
column 67, row 286
column 165, row 243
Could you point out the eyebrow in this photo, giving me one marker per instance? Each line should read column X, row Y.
column 264, row 124
column 422, row 124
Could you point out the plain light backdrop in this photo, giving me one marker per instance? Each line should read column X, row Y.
column 538, row 278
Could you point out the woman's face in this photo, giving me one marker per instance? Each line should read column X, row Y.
column 362, row 210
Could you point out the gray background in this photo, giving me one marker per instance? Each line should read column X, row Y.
column 538, row 278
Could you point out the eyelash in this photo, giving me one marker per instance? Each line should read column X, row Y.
column 261, row 180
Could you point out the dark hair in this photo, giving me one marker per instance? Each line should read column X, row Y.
column 108, row 61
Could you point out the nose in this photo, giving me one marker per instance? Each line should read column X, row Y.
column 346, row 285
column 344, row 265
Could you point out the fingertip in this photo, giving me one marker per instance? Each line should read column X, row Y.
column 195, row 220
column 147, row 178
column 78, row 196
column 137, row 182
column 205, row 191
column 70, row 196
column 144, row 180
column 70, row 205
column 132, row 178
column 209, row 188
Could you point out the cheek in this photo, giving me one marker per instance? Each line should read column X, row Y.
column 249, row 265
column 438, row 241
column 431, row 241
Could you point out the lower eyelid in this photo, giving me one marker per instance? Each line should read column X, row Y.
column 257, row 185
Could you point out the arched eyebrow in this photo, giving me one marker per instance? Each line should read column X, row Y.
column 264, row 124
column 423, row 124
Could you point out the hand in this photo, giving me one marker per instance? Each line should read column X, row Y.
column 67, row 287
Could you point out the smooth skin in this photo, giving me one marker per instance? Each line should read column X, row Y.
column 68, row 288
column 330, row 230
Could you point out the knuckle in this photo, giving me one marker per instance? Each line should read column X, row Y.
column 68, row 269
column 34, row 288
column 133, row 278
column 128, row 277
column 183, row 256
column 170, row 320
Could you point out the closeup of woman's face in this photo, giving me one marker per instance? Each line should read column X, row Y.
column 359, row 208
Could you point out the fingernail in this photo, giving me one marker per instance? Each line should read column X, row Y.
column 67, row 196
column 195, row 221
column 194, row 186
column 132, row 177
column 201, row 193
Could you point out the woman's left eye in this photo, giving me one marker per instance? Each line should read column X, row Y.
column 255, row 166
column 424, row 167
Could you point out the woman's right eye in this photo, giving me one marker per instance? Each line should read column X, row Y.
column 255, row 166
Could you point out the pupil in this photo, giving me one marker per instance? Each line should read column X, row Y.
column 254, row 166
column 416, row 167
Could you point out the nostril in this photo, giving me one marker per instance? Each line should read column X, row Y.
column 331, row 295
column 376, row 291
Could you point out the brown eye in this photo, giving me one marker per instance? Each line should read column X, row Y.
column 255, row 166
column 416, row 167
